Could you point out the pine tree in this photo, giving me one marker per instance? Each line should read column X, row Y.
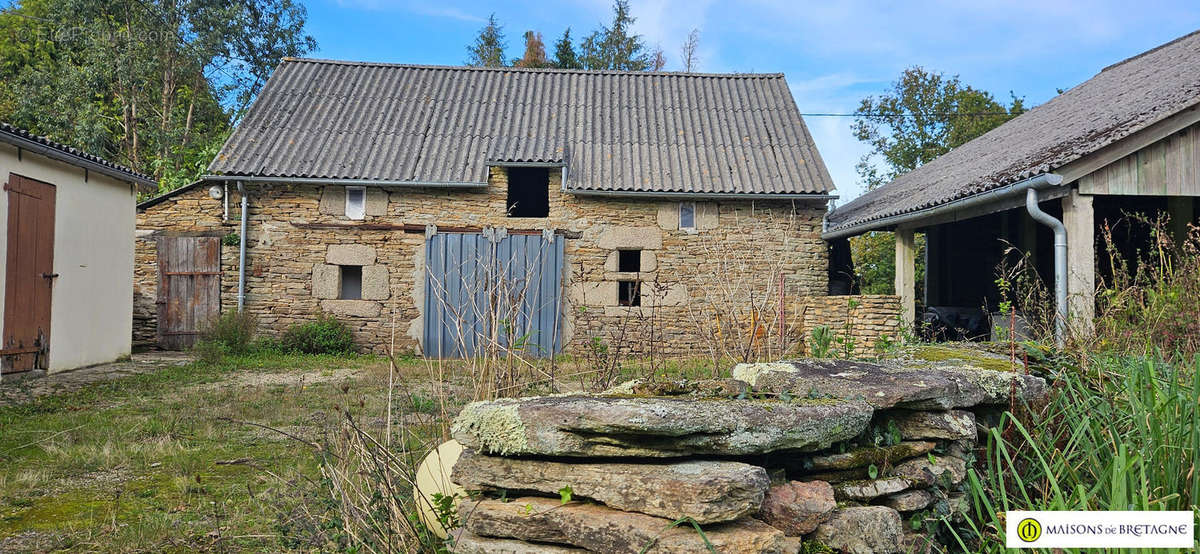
column 613, row 47
column 488, row 50
column 564, row 53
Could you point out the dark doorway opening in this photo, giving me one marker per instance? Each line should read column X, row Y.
column 528, row 192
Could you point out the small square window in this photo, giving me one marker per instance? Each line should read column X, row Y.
column 356, row 202
column 629, row 261
column 528, row 192
column 629, row 293
column 351, row 283
column 687, row 215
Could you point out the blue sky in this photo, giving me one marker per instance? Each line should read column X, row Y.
column 833, row 52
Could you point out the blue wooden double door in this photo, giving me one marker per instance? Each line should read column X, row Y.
column 493, row 293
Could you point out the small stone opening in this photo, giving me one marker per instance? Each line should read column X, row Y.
column 351, row 277
column 629, row 293
column 629, row 261
column 528, row 192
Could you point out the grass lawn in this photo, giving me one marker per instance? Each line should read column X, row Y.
column 160, row 461
column 181, row 459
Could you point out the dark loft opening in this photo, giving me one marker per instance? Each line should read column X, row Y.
column 629, row 293
column 629, row 261
column 351, row 282
column 528, row 192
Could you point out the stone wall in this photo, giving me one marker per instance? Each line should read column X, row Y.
column 867, row 318
column 786, row 457
column 737, row 252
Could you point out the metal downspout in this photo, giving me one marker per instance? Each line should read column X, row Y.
column 241, row 296
column 1060, row 263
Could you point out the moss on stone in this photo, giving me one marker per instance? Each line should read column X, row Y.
column 496, row 425
column 972, row 358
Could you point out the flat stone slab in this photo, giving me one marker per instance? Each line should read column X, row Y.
column 867, row 455
column 583, row 425
column 946, row 471
column 707, row 491
column 909, row 501
column 601, row 529
column 870, row 488
column 949, row 425
column 466, row 542
column 891, row 384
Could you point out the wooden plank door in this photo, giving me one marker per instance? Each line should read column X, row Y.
column 29, row 274
column 189, row 289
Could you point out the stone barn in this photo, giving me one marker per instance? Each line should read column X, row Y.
column 1046, row 186
column 453, row 209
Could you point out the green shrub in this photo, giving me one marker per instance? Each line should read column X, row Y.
column 325, row 335
column 231, row 333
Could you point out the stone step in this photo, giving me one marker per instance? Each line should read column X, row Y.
column 601, row 529
column 590, row 426
column 707, row 491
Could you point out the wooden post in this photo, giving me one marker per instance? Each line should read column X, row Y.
column 906, row 275
column 1179, row 208
column 1079, row 218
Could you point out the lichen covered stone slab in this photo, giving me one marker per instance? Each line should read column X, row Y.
column 466, row 542
column 601, row 529
column 704, row 490
column 949, row 425
column 867, row 455
column 797, row 508
column 916, row 385
column 582, row 425
column 868, row 489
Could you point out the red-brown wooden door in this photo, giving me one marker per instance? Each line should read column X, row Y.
column 29, row 274
column 189, row 289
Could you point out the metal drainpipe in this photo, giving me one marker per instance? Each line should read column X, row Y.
column 1060, row 263
column 241, row 296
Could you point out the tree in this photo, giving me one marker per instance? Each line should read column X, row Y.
column 614, row 47
column 488, row 50
column 564, row 53
column 658, row 60
column 155, row 85
column 689, row 53
column 535, row 52
column 924, row 115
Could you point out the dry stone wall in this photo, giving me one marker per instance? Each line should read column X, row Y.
column 801, row 456
column 737, row 250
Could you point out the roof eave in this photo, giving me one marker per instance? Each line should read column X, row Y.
column 143, row 183
column 704, row 195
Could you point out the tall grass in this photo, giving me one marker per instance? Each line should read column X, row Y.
column 1123, row 434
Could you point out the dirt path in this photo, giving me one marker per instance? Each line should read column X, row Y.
column 24, row 388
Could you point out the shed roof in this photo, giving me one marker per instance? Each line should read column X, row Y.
column 614, row 131
column 24, row 139
column 1122, row 99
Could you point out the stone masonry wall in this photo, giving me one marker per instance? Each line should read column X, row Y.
column 867, row 318
column 738, row 252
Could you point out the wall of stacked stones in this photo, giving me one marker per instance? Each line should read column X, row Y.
column 739, row 251
column 803, row 456
column 865, row 318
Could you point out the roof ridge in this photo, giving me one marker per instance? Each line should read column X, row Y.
column 1150, row 51
column 775, row 75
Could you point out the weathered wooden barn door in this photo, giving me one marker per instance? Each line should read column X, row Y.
column 29, row 274
column 492, row 290
column 189, row 288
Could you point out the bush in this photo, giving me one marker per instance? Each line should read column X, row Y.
column 326, row 335
column 231, row 333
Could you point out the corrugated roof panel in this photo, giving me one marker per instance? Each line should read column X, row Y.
column 655, row 132
column 1119, row 101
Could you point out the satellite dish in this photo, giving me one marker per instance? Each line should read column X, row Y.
column 216, row 192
